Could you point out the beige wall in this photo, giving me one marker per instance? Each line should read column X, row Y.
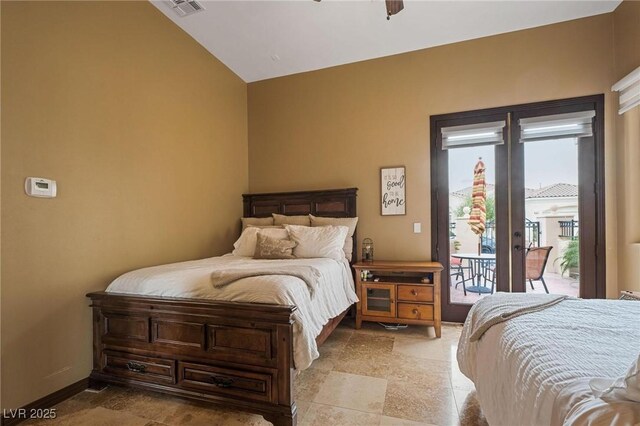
column 146, row 134
column 627, row 58
column 336, row 127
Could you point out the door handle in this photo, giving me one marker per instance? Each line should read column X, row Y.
column 517, row 234
column 517, row 247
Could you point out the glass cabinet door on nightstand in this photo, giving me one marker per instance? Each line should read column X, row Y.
column 378, row 300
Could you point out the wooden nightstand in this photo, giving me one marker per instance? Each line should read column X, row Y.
column 399, row 293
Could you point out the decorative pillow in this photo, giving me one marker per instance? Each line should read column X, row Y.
column 256, row 221
column 271, row 248
column 281, row 219
column 322, row 241
column 349, row 222
column 246, row 244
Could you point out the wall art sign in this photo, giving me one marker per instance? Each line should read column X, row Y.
column 392, row 190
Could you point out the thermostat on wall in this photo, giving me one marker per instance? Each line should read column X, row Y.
column 40, row 187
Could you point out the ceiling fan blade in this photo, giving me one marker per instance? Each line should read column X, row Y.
column 394, row 6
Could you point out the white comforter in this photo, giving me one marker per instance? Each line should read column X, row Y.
column 335, row 292
column 521, row 366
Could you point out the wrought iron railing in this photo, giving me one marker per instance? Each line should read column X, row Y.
column 568, row 228
column 488, row 239
column 531, row 234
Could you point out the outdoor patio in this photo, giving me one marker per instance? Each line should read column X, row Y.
column 556, row 284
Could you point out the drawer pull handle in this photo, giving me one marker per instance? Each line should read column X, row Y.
column 135, row 367
column 415, row 293
column 415, row 312
column 221, row 382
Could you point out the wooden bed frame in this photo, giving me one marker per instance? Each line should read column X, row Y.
column 237, row 355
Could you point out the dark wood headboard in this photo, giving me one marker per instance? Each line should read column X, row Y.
column 327, row 203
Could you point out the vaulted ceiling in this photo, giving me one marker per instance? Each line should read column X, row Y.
column 266, row 39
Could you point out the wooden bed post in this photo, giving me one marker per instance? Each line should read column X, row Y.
column 285, row 375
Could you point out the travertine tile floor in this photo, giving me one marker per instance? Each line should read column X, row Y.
column 363, row 377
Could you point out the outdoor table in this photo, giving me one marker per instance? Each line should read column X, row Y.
column 476, row 262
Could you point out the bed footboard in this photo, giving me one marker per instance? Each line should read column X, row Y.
column 236, row 355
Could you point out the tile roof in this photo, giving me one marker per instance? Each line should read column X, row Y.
column 556, row 190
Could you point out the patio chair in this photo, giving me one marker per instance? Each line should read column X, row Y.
column 536, row 261
column 457, row 270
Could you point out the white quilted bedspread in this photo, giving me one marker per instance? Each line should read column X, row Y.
column 520, row 366
column 334, row 293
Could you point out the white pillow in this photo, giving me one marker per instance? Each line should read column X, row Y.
column 322, row 241
column 350, row 222
column 246, row 244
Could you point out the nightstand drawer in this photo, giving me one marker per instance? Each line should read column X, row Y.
column 415, row 311
column 415, row 293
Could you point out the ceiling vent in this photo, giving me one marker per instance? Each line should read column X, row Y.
column 185, row 7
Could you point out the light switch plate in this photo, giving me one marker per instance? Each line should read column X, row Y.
column 417, row 227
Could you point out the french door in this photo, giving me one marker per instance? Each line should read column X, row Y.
column 531, row 218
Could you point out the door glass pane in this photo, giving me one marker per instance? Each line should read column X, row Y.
column 472, row 263
column 551, row 210
column 379, row 299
